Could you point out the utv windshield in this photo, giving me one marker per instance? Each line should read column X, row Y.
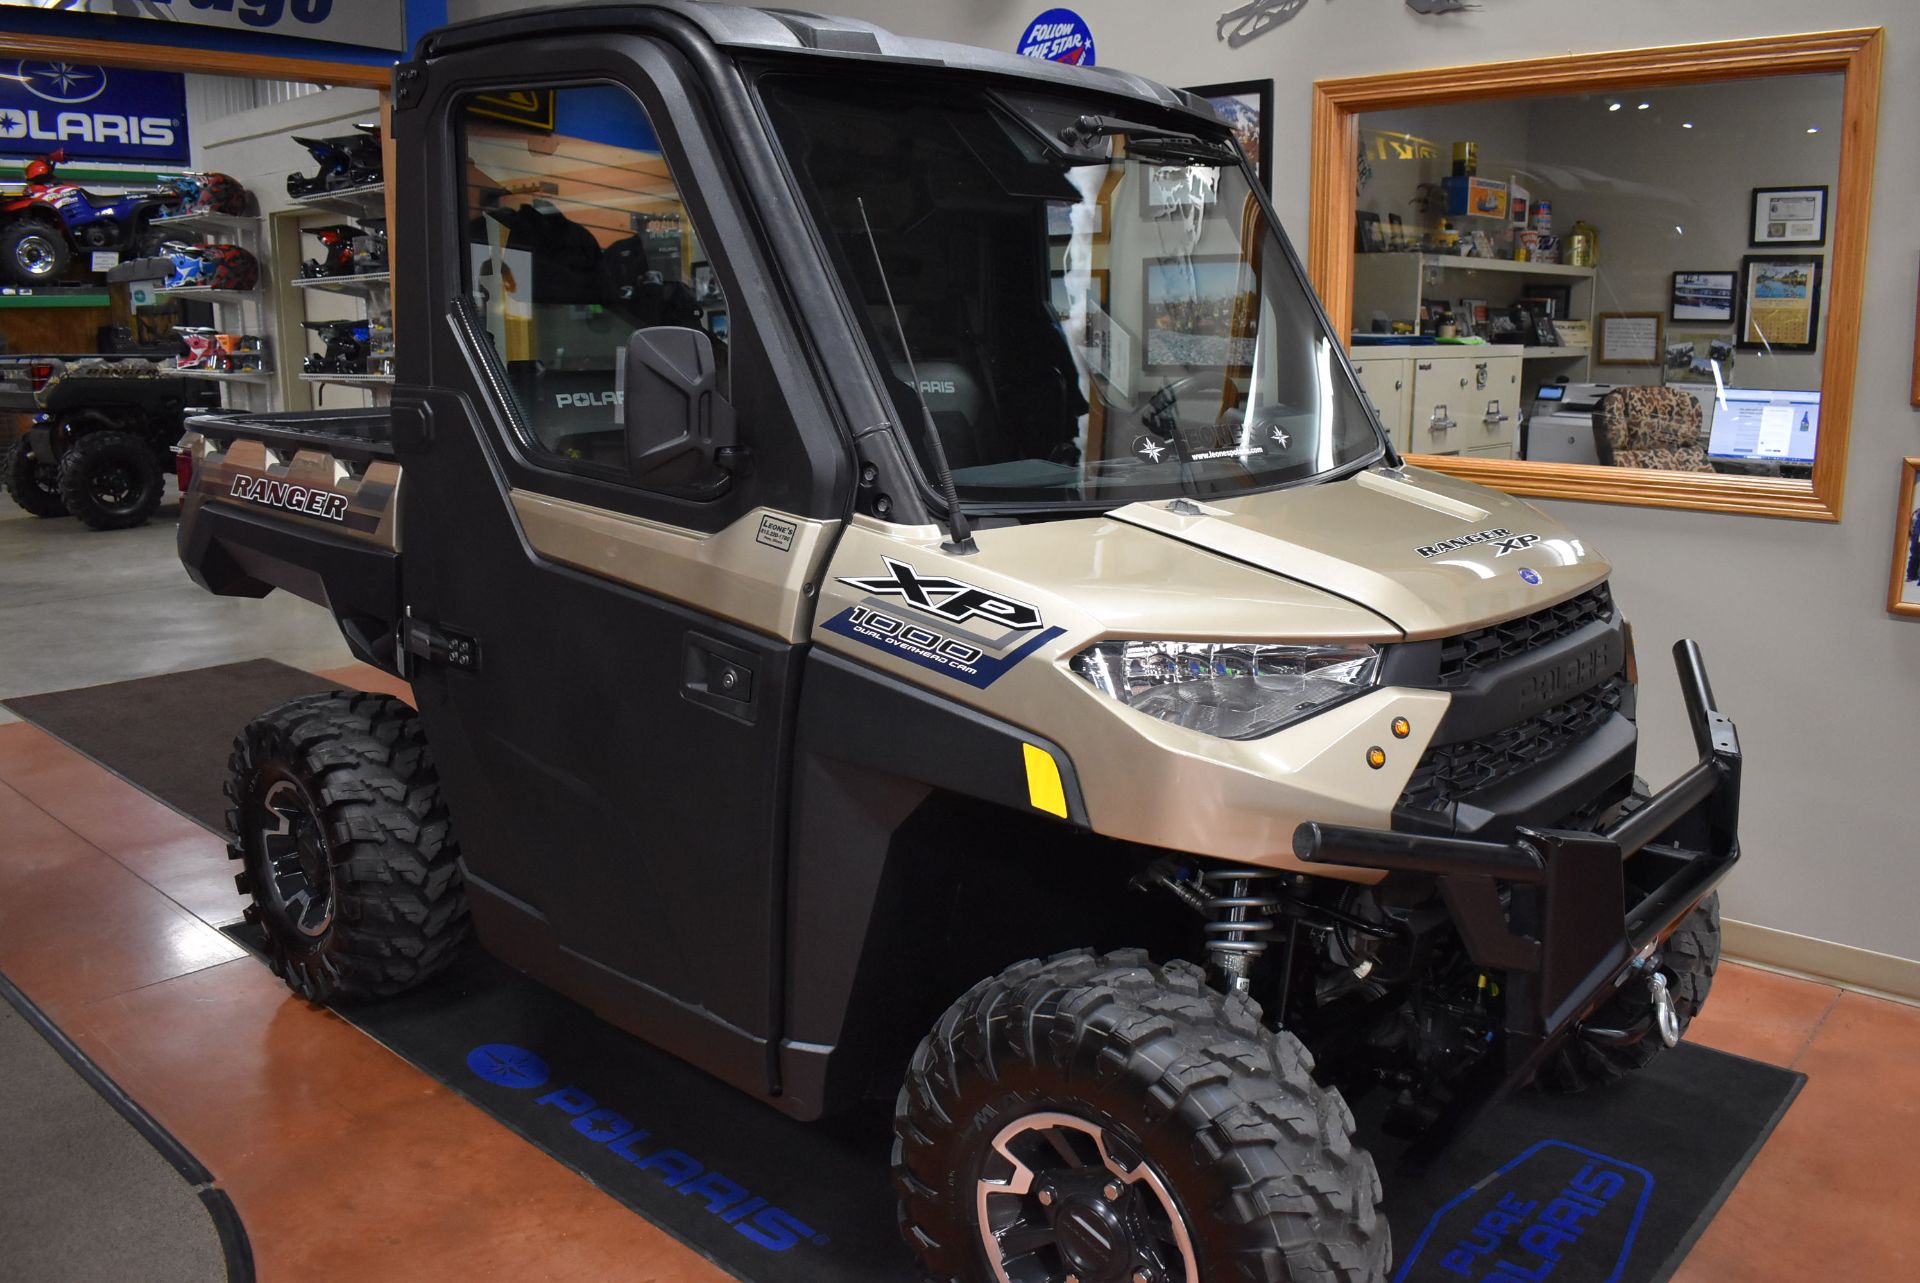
column 1095, row 310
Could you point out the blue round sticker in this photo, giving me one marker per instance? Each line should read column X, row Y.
column 1530, row 575
column 1058, row 35
column 506, row 1065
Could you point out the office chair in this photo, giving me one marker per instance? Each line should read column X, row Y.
column 1649, row 428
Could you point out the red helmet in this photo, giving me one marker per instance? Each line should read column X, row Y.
column 40, row 168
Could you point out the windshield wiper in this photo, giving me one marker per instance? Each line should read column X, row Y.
column 959, row 538
column 1088, row 128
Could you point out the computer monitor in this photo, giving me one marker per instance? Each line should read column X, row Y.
column 1755, row 425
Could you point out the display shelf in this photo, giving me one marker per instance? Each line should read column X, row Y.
column 211, row 295
column 1461, row 263
column 364, row 284
column 204, row 222
column 1566, row 352
column 360, row 202
column 224, row 376
column 57, row 296
column 349, row 380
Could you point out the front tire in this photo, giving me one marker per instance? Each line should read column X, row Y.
column 346, row 848
column 32, row 484
column 110, row 479
column 1687, row 962
column 34, row 253
column 1107, row 1118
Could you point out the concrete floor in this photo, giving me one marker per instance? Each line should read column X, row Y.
column 79, row 607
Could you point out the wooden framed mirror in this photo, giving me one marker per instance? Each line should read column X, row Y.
column 1578, row 106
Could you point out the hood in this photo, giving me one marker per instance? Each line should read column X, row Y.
column 1433, row 555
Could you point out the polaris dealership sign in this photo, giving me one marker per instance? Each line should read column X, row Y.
column 379, row 24
column 94, row 113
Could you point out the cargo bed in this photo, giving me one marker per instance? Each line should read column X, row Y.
column 357, row 436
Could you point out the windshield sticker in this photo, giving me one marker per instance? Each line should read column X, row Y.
column 1154, row 451
column 1504, row 540
column 921, row 628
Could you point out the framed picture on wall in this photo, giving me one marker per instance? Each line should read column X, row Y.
column 1903, row 590
column 1703, row 297
column 1780, row 302
column 1789, row 216
column 1628, row 338
column 1247, row 105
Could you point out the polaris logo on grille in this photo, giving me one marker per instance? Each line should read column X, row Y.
column 1569, row 677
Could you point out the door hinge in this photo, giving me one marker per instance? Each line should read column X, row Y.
column 439, row 645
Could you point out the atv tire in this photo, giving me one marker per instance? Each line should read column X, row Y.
column 33, row 252
column 346, row 848
column 1691, row 956
column 34, row 485
column 110, row 479
column 1149, row 1110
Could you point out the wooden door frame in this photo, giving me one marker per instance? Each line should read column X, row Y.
column 1338, row 105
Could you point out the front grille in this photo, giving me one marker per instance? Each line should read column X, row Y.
column 1449, row 772
column 1463, row 656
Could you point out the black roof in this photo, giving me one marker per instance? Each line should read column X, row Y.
column 793, row 31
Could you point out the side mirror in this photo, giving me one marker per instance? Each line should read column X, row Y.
column 680, row 429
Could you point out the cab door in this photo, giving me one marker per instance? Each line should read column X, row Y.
column 606, row 659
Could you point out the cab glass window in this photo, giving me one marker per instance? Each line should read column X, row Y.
column 577, row 235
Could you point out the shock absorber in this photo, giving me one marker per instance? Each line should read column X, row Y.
column 1240, row 918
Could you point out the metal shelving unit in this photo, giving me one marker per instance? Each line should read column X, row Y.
column 365, row 284
column 357, row 202
column 350, row 380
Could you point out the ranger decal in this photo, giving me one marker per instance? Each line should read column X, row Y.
column 304, row 500
column 1505, row 541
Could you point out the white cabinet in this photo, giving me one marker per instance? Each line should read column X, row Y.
column 1446, row 398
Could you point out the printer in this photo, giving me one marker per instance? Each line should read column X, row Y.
column 1560, row 426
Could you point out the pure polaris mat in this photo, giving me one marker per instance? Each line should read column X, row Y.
column 170, row 734
column 1612, row 1187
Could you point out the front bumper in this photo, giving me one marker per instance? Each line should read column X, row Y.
column 1553, row 938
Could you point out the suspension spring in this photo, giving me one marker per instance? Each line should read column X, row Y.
column 1240, row 920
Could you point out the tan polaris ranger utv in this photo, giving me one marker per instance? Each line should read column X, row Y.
column 904, row 593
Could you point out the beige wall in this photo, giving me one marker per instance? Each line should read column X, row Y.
column 1824, row 683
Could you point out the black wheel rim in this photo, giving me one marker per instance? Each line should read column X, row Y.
column 1056, row 1201
column 116, row 487
column 299, row 864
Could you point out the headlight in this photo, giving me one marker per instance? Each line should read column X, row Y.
column 1235, row 690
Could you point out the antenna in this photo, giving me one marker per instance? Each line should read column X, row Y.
column 959, row 538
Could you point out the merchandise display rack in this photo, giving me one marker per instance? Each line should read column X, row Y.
column 365, row 284
column 359, row 202
column 236, row 311
column 373, row 289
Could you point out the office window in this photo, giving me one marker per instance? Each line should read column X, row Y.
column 577, row 235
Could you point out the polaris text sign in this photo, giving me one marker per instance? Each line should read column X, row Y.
column 378, row 24
column 93, row 113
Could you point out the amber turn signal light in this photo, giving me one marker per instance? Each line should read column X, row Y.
column 1402, row 728
column 1376, row 757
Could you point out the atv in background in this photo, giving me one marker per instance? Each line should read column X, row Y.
column 101, row 444
column 45, row 227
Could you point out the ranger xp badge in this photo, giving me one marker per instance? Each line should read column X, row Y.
column 1504, row 541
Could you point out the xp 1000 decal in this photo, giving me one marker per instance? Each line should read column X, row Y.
column 920, row 618
column 750, row 1216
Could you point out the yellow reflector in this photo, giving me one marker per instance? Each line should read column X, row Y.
column 1376, row 758
column 1402, row 728
column 1044, row 789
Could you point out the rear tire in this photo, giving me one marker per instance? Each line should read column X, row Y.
column 110, row 479
column 34, row 253
column 34, row 485
column 1691, row 956
column 1190, row 1119
column 347, row 851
